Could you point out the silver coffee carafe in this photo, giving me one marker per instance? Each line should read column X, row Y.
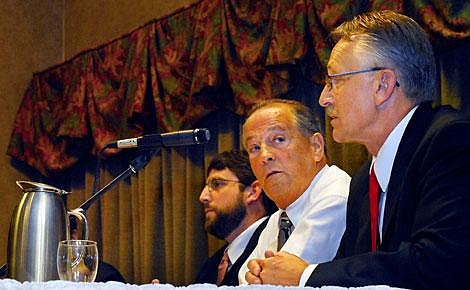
column 38, row 223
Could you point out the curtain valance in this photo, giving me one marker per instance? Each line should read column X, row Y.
column 160, row 75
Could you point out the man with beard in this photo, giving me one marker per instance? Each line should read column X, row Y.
column 235, row 210
column 287, row 154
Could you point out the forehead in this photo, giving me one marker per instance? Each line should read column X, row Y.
column 344, row 56
column 223, row 174
column 278, row 117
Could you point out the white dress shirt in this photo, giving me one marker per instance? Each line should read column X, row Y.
column 382, row 163
column 319, row 219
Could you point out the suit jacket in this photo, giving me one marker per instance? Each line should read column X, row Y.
column 426, row 230
column 107, row 272
column 208, row 272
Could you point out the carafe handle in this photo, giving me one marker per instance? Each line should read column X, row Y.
column 78, row 213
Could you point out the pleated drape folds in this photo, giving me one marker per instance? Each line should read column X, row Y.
column 202, row 66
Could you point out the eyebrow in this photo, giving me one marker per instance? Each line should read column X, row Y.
column 216, row 176
column 270, row 129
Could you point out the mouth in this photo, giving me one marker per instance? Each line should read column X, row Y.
column 272, row 173
column 332, row 119
column 332, row 116
column 330, row 113
column 208, row 210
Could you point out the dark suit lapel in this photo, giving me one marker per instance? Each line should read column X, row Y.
column 231, row 278
column 356, row 238
column 412, row 136
column 362, row 214
column 208, row 271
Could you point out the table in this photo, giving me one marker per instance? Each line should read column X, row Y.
column 65, row 285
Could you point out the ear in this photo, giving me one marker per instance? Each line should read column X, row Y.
column 318, row 144
column 387, row 82
column 253, row 192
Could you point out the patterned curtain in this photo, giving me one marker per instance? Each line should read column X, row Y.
column 202, row 66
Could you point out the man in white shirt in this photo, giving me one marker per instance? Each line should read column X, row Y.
column 287, row 154
column 408, row 218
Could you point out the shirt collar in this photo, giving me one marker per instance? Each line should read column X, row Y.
column 383, row 162
column 296, row 209
column 238, row 245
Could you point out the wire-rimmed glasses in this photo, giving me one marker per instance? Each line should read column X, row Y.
column 218, row 183
column 330, row 78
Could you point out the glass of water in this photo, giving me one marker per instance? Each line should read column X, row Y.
column 77, row 260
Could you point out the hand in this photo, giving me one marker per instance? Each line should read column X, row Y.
column 155, row 281
column 254, row 270
column 280, row 268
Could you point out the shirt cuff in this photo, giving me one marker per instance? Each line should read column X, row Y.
column 306, row 274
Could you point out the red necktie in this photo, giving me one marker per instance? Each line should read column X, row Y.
column 374, row 207
column 222, row 269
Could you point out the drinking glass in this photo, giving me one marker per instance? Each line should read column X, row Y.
column 77, row 260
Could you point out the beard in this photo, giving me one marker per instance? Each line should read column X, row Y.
column 226, row 221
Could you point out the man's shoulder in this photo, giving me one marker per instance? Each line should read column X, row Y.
column 434, row 118
column 444, row 125
column 333, row 181
column 256, row 229
column 107, row 272
column 335, row 172
column 446, row 116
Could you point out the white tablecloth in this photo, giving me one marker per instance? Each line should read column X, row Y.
column 65, row 285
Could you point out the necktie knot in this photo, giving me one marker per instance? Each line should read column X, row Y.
column 285, row 229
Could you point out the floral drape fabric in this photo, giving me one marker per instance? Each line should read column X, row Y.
column 163, row 75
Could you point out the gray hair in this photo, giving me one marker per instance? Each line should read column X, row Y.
column 396, row 41
column 307, row 122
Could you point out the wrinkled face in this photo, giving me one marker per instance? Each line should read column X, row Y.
column 282, row 159
column 349, row 102
column 223, row 203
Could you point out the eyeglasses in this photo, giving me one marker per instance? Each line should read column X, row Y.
column 329, row 78
column 218, row 183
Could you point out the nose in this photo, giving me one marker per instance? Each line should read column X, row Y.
column 266, row 154
column 326, row 99
column 204, row 197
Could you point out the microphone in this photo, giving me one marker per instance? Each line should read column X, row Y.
column 178, row 138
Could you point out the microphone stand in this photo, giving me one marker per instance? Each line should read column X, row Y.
column 134, row 166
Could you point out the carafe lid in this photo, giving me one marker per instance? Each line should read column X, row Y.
column 29, row 186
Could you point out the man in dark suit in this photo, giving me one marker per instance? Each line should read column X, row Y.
column 235, row 210
column 408, row 215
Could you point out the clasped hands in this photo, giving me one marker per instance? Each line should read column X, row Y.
column 278, row 268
